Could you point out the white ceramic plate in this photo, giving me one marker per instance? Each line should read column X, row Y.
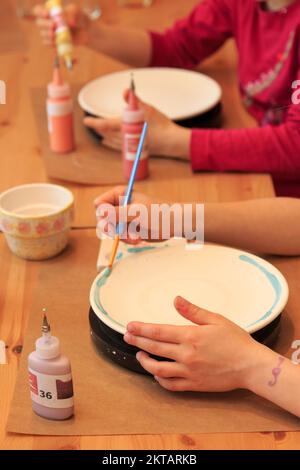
column 179, row 94
column 142, row 286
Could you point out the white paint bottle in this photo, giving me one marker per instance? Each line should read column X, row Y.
column 50, row 378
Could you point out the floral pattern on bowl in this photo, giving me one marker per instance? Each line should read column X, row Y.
column 41, row 235
column 35, row 228
column 38, row 248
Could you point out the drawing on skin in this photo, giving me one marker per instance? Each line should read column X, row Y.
column 276, row 372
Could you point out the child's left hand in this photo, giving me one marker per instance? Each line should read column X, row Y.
column 163, row 134
column 214, row 355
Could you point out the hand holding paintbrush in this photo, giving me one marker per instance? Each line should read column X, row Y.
column 128, row 194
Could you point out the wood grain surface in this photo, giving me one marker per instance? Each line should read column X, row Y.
column 21, row 162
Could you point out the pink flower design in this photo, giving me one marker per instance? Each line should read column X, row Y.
column 42, row 228
column 59, row 224
column 7, row 225
column 24, row 227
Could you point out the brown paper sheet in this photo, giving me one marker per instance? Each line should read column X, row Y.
column 12, row 38
column 90, row 163
column 110, row 400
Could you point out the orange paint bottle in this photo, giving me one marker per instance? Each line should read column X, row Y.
column 132, row 127
column 60, row 114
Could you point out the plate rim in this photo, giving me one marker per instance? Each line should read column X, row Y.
column 275, row 312
column 89, row 110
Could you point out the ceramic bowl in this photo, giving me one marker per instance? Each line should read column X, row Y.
column 246, row 289
column 36, row 219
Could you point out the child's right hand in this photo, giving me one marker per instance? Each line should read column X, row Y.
column 76, row 19
column 140, row 206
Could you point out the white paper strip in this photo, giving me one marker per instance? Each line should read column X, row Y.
column 105, row 249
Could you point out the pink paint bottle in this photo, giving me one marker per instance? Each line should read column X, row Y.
column 132, row 126
column 50, row 378
column 60, row 114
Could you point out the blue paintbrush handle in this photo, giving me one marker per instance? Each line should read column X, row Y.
column 128, row 194
column 135, row 166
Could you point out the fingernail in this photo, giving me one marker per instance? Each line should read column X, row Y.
column 181, row 304
column 130, row 328
column 127, row 337
column 138, row 355
column 180, row 301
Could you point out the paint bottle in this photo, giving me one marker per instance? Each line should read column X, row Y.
column 63, row 37
column 50, row 378
column 60, row 113
column 132, row 126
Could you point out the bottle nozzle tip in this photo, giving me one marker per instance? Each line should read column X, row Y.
column 132, row 84
column 45, row 324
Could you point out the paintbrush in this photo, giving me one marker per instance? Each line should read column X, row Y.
column 128, row 194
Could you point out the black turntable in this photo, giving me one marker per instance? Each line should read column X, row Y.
column 111, row 343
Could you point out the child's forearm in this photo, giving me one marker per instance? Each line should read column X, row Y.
column 130, row 46
column 275, row 378
column 176, row 143
column 264, row 225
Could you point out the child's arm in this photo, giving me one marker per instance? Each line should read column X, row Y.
column 269, row 149
column 203, row 361
column 195, row 37
column 132, row 46
column 264, row 225
column 277, row 379
column 184, row 45
column 273, row 148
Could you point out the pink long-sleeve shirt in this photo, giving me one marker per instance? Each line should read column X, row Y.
column 268, row 44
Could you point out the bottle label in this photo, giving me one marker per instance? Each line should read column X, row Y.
column 131, row 142
column 60, row 109
column 54, row 391
column 50, row 128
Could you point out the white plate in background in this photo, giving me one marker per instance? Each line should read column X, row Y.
column 179, row 94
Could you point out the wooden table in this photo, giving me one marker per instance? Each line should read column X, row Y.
column 21, row 163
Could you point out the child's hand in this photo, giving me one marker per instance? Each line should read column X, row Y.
column 140, row 205
column 214, row 355
column 113, row 197
column 76, row 19
column 162, row 131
